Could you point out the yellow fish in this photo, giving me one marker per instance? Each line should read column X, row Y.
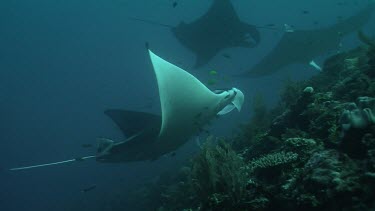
column 211, row 82
column 213, row 72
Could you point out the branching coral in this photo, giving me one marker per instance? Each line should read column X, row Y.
column 273, row 159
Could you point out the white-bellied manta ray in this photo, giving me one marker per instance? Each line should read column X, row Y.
column 186, row 106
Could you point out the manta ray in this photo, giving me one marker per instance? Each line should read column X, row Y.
column 219, row 28
column 186, row 106
column 302, row 46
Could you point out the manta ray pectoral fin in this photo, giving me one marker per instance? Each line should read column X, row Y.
column 174, row 85
column 132, row 122
column 187, row 105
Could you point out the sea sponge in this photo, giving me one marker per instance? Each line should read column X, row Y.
column 358, row 115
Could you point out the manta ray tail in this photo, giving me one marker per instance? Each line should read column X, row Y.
column 52, row 164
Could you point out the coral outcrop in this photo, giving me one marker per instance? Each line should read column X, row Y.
column 314, row 151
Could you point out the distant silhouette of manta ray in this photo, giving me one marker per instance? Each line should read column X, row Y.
column 302, row 46
column 216, row 30
column 219, row 28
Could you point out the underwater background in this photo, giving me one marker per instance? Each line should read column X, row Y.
column 62, row 63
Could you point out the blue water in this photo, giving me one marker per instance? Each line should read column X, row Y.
column 62, row 63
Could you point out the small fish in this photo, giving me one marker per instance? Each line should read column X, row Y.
column 174, row 4
column 211, row 82
column 305, row 12
column 173, row 154
column 288, row 28
column 270, row 24
column 316, row 22
column 90, row 188
column 213, row 72
column 86, row 145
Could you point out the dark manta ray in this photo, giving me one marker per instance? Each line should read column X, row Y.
column 219, row 28
column 186, row 106
column 302, row 46
column 216, row 30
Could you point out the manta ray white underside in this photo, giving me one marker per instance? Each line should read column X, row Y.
column 186, row 103
column 186, row 106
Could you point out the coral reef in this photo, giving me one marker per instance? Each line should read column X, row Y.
column 314, row 151
column 218, row 178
